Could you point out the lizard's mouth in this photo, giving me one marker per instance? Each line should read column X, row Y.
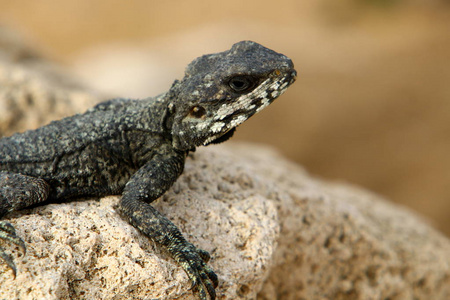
column 221, row 137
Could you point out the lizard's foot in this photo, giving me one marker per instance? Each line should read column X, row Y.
column 8, row 233
column 193, row 261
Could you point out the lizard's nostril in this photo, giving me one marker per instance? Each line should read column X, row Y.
column 293, row 75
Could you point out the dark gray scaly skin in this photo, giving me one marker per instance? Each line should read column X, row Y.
column 137, row 148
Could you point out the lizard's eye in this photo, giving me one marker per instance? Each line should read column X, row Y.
column 197, row 112
column 241, row 84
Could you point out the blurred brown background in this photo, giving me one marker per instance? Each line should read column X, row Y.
column 371, row 105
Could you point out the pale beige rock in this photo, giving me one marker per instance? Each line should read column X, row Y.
column 34, row 91
column 341, row 242
column 271, row 230
column 84, row 250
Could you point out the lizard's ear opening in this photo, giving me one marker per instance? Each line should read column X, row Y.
column 197, row 112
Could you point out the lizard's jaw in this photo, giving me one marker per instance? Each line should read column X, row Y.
column 219, row 138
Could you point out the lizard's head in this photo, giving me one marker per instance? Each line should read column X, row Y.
column 220, row 91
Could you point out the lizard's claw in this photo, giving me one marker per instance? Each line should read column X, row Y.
column 204, row 280
column 8, row 233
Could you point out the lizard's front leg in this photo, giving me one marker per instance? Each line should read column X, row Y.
column 17, row 191
column 146, row 185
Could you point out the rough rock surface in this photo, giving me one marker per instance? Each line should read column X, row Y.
column 32, row 90
column 273, row 232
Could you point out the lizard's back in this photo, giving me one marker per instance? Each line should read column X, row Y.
column 60, row 137
column 79, row 154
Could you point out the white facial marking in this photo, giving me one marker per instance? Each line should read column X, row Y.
column 201, row 125
column 239, row 120
column 217, row 126
column 243, row 102
column 264, row 103
column 212, row 138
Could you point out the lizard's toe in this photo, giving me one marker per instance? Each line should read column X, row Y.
column 212, row 276
column 203, row 285
column 204, row 255
column 8, row 233
column 8, row 260
column 208, row 280
column 204, row 280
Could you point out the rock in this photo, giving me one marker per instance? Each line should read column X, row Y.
column 341, row 242
column 272, row 230
column 34, row 91
column 83, row 250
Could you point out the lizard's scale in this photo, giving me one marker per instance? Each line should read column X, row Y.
column 137, row 148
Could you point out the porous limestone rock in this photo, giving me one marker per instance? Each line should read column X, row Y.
column 272, row 230
column 84, row 250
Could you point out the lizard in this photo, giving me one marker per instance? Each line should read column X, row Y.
column 137, row 148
